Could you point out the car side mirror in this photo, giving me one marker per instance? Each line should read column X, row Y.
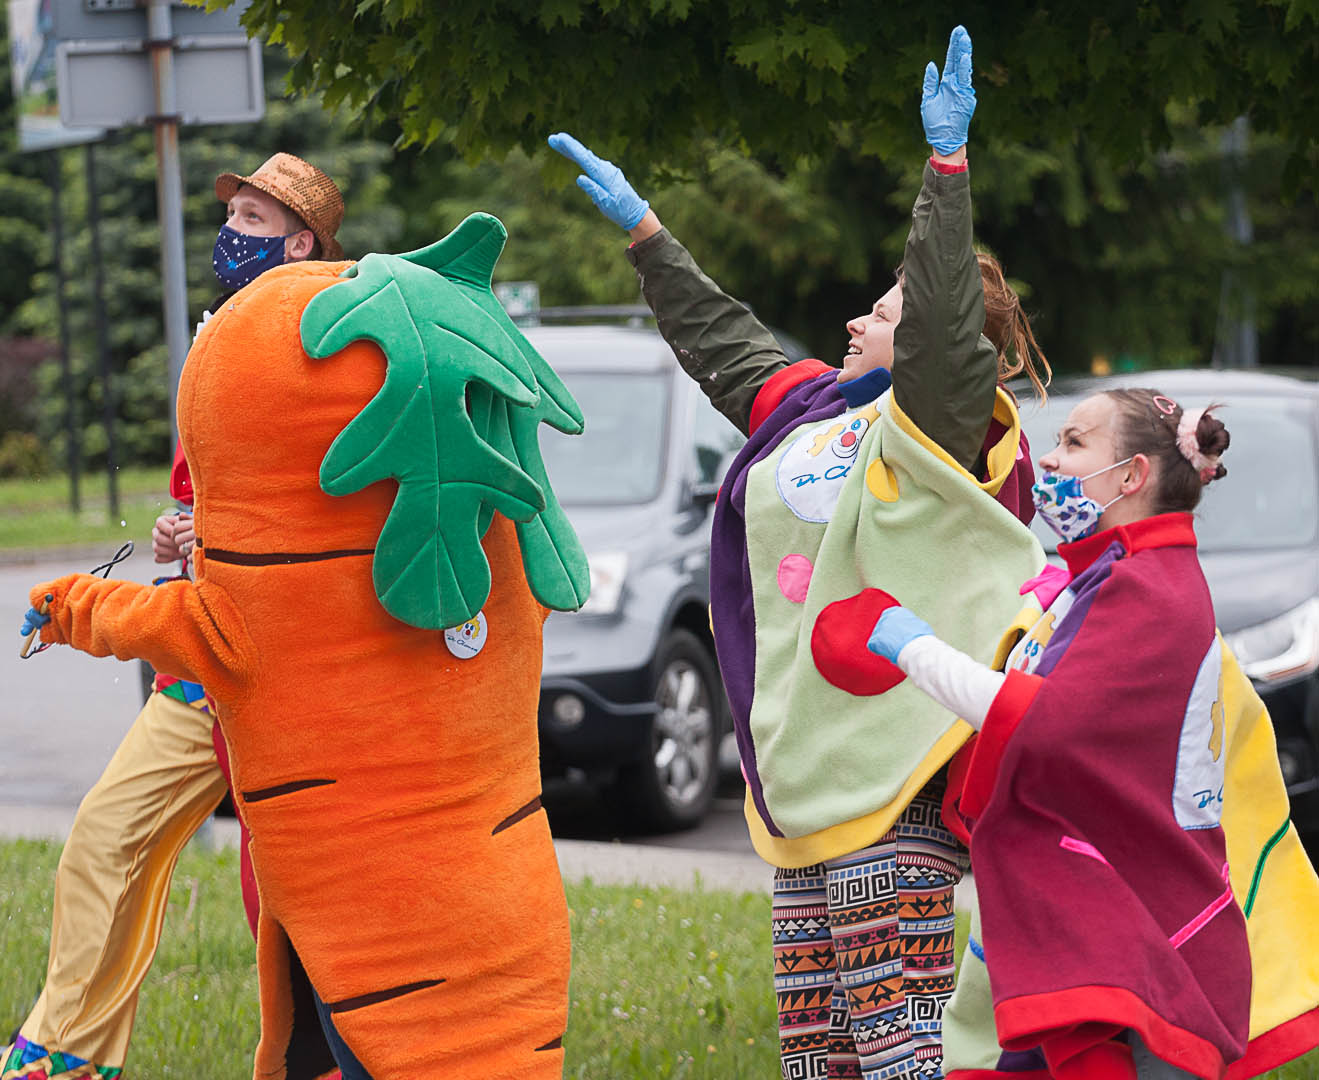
column 703, row 492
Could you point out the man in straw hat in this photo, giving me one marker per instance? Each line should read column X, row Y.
column 286, row 201
column 166, row 778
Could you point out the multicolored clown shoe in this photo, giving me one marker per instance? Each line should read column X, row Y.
column 363, row 444
column 32, row 1062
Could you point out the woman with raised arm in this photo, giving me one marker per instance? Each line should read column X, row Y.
column 903, row 475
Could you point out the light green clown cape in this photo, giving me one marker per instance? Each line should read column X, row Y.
column 840, row 753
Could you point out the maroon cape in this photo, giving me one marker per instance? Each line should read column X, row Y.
column 1096, row 849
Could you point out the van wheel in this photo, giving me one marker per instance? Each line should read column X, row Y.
column 673, row 785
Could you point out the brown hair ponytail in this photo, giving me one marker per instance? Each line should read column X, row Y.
column 1007, row 326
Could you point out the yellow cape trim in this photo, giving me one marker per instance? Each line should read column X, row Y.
column 1002, row 455
column 1022, row 625
column 830, row 843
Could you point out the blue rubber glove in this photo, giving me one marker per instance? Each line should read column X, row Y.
column 948, row 104
column 604, row 182
column 33, row 620
column 894, row 630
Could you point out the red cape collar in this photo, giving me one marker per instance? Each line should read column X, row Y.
column 1162, row 530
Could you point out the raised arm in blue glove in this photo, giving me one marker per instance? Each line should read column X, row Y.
column 948, row 103
column 604, row 182
column 895, row 629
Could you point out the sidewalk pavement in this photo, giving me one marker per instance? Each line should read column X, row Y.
column 604, row 863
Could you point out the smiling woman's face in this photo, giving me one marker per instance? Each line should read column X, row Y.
column 870, row 336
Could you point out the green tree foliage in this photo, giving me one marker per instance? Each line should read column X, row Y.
column 1130, row 262
column 24, row 208
column 782, row 143
column 796, row 77
column 24, row 211
column 1125, row 262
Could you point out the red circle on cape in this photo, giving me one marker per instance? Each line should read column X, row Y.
column 838, row 645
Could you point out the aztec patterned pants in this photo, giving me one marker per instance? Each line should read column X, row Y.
column 863, row 954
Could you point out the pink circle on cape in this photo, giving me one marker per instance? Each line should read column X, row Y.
column 795, row 577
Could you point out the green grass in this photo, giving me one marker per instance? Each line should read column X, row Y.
column 669, row 983
column 36, row 514
column 665, row 983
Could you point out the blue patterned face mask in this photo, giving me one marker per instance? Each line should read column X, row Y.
column 240, row 258
column 1064, row 505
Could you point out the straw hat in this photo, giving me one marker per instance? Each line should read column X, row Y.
column 301, row 187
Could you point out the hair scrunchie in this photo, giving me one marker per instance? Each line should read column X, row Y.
column 1188, row 442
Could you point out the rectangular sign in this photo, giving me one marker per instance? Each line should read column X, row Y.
column 32, row 73
column 108, row 83
column 95, row 20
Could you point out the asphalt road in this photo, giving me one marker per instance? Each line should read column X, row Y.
column 62, row 713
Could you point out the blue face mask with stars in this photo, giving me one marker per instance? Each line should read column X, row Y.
column 239, row 258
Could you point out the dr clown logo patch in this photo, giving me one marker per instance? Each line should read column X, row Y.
column 812, row 470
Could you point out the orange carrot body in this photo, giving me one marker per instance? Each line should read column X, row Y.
column 391, row 788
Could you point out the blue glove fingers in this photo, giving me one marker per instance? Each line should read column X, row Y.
column 931, row 84
column 605, row 173
column 598, row 194
column 952, row 55
column 570, row 148
column 894, row 630
column 962, row 73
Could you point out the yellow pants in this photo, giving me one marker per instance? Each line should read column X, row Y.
column 112, row 885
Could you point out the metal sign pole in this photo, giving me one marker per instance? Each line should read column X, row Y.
column 108, row 399
column 66, row 362
column 169, row 198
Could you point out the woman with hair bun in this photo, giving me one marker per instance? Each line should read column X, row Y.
column 1094, row 791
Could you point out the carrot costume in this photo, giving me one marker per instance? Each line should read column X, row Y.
column 373, row 566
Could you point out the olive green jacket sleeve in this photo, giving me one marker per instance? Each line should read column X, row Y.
column 945, row 370
column 716, row 339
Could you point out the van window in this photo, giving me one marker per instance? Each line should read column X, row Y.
column 619, row 457
column 714, row 440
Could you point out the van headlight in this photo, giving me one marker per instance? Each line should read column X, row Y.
column 1283, row 648
column 607, row 573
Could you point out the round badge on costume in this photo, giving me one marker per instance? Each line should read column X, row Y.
column 467, row 639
